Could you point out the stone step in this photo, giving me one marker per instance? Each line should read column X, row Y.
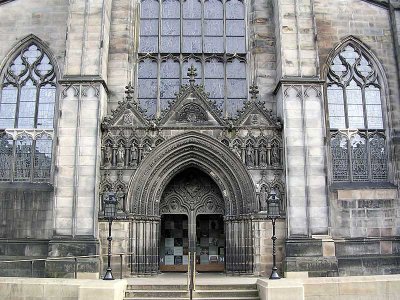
column 225, row 293
column 165, row 287
column 226, row 287
column 202, row 292
column 166, row 294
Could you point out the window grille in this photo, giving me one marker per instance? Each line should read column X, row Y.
column 358, row 139
column 210, row 34
column 27, row 104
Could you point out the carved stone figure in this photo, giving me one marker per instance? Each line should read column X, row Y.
column 146, row 149
column 121, row 156
column 237, row 151
column 108, row 156
column 120, row 199
column 134, row 155
column 275, row 160
column 249, row 155
column 263, row 155
column 263, row 199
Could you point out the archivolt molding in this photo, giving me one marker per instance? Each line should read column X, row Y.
column 197, row 150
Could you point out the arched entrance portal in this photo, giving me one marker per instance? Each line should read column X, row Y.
column 192, row 209
column 236, row 201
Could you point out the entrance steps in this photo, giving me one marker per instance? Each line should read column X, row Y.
column 202, row 292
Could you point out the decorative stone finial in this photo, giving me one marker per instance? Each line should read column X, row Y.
column 192, row 74
column 254, row 91
column 129, row 90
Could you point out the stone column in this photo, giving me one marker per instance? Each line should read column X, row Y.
column 300, row 105
column 82, row 104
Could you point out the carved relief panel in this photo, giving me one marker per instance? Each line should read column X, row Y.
column 192, row 190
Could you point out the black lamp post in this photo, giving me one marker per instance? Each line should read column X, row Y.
column 273, row 214
column 110, row 210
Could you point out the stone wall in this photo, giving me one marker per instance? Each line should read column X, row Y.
column 45, row 19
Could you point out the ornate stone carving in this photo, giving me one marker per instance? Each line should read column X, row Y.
column 192, row 190
column 192, row 113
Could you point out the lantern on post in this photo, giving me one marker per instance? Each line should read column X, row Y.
column 110, row 211
column 273, row 210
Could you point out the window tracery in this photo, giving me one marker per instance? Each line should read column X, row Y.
column 357, row 131
column 175, row 34
column 27, row 104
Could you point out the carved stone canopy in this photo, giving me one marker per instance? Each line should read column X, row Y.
column 192, row 190
column 192, row 149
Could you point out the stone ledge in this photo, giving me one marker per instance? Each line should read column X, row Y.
column 354, row 287
column 61, row 289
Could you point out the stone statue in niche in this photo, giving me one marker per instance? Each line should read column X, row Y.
column 263, row 155
column 236, row 150
column 108, row 156
column 120, row 194
column 263, row 199
column 121, row 156
column 275, row 160
column 134, row 156
column 250, row 155
column 146, row 149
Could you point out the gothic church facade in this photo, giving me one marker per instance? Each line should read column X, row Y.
column 191, row 112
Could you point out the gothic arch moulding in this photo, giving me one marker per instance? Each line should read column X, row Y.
column 196, row 150
column 25, row 43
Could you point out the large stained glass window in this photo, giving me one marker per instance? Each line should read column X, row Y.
column 27, row 105
column 358, row 139
column 175, row 34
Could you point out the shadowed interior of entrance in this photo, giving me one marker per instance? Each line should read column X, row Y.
column 191, row 223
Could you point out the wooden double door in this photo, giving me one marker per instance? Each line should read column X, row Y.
column 186, row 236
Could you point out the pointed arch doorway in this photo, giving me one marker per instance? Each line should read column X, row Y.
column 192, row 209
column 150, row 181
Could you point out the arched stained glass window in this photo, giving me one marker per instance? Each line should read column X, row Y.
column 27, row 106
column 210, row 34
column 356, row 120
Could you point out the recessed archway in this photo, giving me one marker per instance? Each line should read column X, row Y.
column 197, row 150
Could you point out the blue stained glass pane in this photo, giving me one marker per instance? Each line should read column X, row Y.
column 47, row 94
column 149, row 105
column 192, row 9
column 149, row 9
column 170, row 27
column 235, row 28
column 214, row 69
column 147, row 69
column 169, row 69
column 32, row 54
column 213, row 9
column 236, row 69
column 235, row 9
column 215, row 87
column 191, row 44
column 192, row 27
column 171, row 9
column 236, row 88
column 170, row 44
column 44, row 67
column 214, row 27
column 168, row 88
column 235, row 45
column 213, row 44
column 147, row 88
column 148, row 44
column 233, row 105
column 149, row 27
column 18, row 67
